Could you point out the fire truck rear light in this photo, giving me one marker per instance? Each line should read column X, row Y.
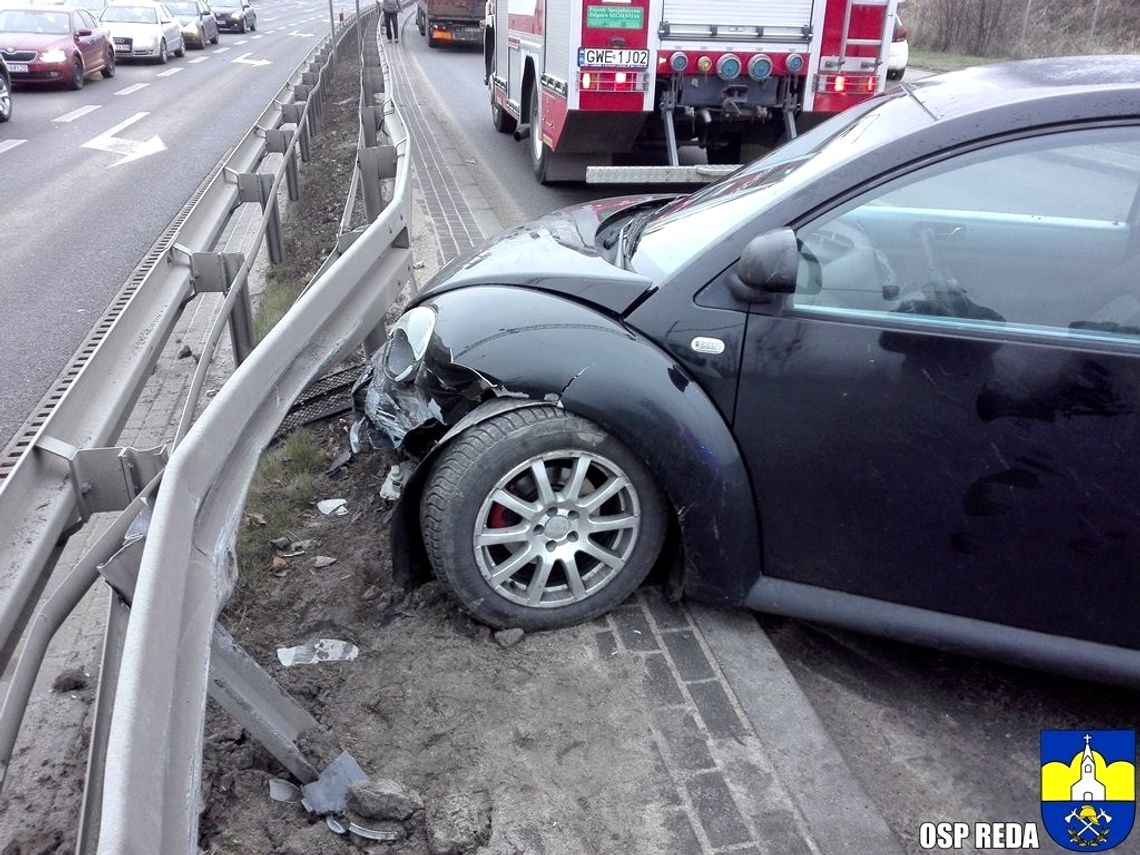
column 728, row 67
column 612, row 81
column 858, row 84
column 704, row 65
column 679, row 61
column 794, row 63
column 760, row 67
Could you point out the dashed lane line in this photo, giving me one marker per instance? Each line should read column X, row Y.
column 134, row 87
column 8, row 145
column 170, row 72
column 220, row 50
column 198, row 60
column 77, row 114
column 241, row 41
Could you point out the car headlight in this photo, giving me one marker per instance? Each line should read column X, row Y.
column 235, row 16
column 409, row 342
column 54, row 55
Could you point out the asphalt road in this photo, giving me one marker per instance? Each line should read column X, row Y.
column 75, row 220
column 932, row 737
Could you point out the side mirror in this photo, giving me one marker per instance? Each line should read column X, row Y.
column 83, row 33
column 768, row 265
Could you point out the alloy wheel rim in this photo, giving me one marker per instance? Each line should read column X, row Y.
column 557, row 529
column 5, row 98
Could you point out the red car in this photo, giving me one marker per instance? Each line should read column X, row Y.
column 54, row 44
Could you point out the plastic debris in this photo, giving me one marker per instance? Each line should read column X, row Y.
column 321, row 650
column 334, row 826
column 329, row 793
column 333, row 507
column 284, row 791
column 372, row 833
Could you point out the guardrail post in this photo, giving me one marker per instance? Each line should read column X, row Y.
column 217, row 271
column 376, row 163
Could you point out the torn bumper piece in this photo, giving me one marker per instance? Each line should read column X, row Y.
column 410, row 413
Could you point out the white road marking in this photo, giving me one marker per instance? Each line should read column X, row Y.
column 170, row 72
column 77, row 114
column 131, row 149
column 221, row 50
column 134, row 87
column 303, row 35
column 197, row 60
column 258, row 36
column 242, row 59
column 8, row 145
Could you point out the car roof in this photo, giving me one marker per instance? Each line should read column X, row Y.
column 1049, row 85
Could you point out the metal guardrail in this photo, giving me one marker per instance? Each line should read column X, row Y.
column 169, row 557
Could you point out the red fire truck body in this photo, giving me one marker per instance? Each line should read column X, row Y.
column 594, row 83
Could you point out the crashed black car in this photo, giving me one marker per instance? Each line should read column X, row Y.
column 887, row 377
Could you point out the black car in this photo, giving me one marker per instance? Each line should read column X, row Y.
column 887, row 377
column 5, row 92
column 236, row 15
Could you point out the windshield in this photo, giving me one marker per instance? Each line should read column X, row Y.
column 188, row 9
column 28, row 21
column 687, row 226
column 130, row 15
column 226, row 4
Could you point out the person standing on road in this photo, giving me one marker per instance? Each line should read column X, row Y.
column 391, row 9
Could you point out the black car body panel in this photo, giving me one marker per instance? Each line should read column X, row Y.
column 969, row 486
column 562, row 241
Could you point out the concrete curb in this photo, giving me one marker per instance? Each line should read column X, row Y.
column 840, row 815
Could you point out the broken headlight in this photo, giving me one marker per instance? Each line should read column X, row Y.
column 409, row 342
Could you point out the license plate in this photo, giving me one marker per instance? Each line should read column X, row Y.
column 612, row 58
column 122, row 48
column 18, row 67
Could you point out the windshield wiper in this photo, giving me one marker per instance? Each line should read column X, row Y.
column 631, row 234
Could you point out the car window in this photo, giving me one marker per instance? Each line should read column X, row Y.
column 86, row 20
column 130, row 14
column 183, row 8
column 34, row 21
column 1039, row 234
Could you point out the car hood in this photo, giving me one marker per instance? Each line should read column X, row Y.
column 38, row 42
column 555, row 253
column 133, row 31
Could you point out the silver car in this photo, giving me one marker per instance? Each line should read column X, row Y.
column 197, row 20
column 143, row 30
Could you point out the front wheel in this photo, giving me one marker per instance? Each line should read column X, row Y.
column 5, row 99
column 539, row 519
column 181, row 48
column 77, row 74
column 214, row 40
column 163, row 56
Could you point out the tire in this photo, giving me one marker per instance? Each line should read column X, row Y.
column 163, row 56
column 181, row 49
column 78, row 74
column 109, row 64
column 214, row 40
column 5, row 99
column 726, row 151
column 420, row 24
column 540, row 591
column 241, row 29
column 503, row 121
column 539, row 153
column 896, row 75
column 253, row 26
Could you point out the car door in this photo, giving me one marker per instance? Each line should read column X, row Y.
column 209, row 25
column 92, row 45
column 945, row 412
column 171, row 29
column 83, row 43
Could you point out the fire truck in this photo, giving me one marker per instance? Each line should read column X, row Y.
column 619, row 90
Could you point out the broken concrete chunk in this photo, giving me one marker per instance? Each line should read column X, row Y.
column 333, row 507
column 185, row 352
column 321, row 650
column 509, row 637
column 280, row 543
column 383, row 799
column 301, row 545
column 71, row 680
column 459, row 823
column 320, row 561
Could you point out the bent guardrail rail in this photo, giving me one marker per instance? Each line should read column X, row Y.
column 62, row 474
column 187, row 565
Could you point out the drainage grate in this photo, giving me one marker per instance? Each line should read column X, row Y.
column 25, row 437
column 326, row 397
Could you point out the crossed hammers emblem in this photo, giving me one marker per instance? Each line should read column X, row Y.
column 1088, row 825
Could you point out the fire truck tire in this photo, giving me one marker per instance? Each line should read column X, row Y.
column 420, row 23
column 539, row 153
column 503, row 121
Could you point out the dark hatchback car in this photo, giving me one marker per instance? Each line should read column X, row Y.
column 887, row 377
column 236, row 15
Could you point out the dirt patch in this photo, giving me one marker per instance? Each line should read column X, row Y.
column 548, row 729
